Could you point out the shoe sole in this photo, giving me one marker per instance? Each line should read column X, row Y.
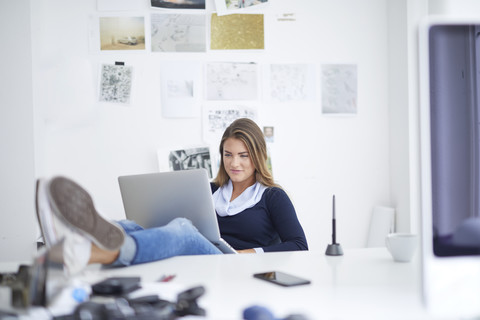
column 73, row 205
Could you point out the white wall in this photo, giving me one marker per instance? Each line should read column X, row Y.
column 17, row 229
column 95, row 143
column 398, row 110
column 404, row 18
column 314, row 156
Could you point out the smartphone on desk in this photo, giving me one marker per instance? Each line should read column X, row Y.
column 281, row 278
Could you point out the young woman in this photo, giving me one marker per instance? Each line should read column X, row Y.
column 254, row 214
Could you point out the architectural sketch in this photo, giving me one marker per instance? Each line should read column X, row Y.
column 217, row 119
column 292, row 82
column 339, row 88
column 115, row 84
column 178, row 32
column 232, row 81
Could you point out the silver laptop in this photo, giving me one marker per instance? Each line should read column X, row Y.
column 155, row 199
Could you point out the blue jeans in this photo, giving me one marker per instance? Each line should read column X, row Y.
column 179, row 237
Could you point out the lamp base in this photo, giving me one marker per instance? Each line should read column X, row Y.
column 334, row 249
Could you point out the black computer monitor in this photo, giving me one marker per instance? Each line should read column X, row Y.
column 449, row 60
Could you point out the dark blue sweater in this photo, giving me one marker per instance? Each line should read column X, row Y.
column 271, row 224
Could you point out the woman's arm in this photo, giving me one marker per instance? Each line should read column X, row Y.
column 285, row 221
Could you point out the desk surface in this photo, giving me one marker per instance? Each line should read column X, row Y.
column 361, row 284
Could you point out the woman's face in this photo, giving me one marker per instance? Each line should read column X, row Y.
column 237, row 161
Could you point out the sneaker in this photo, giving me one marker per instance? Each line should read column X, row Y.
column 73, row 206
column 52, row 229
column 75, row 248
column 76, row 253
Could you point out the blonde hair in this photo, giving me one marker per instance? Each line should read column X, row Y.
column 247, row 131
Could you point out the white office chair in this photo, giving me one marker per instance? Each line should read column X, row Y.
column 382, row 223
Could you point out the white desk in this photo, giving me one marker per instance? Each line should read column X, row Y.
column 362, row 284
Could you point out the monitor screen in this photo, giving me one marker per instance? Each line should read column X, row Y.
column 449, row 52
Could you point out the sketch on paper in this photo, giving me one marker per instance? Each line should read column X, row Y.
column 234, row 6
column 115, row 84
column 217, row 119
column 122, row 33
column 181, row 89
column 232, row 81
column 292, row 82
column 177, row 89
column 178, row 4
column 238, row 4
column 193, row 158
column 237, row 32
column 339, row 88
column 178, row 33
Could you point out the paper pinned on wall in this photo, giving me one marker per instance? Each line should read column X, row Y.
column 217, row 118
column 268, row 132
column 292, row 82
column 185, row 159
column 178, row 32
column 237, row 32
column 232, row 81
column 120, row 33
column 181, row 84
column 115, row 83
column 224, row 7
column 178, row 4
column 339, row 89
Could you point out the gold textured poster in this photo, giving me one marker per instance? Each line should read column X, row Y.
column 237, row 31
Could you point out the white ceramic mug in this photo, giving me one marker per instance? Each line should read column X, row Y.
column 402, row 246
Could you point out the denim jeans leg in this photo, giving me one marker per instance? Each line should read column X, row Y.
column 129, row 247
column 179, row 237
column 129, row 226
